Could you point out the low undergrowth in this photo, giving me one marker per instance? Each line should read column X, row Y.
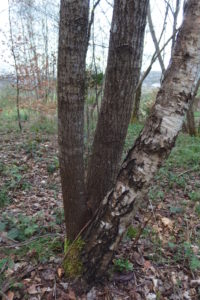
column 164, row 238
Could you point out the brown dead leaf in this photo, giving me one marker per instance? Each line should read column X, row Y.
column 9, row 272
column 32, row 290
column 147, row 264
column 60, row 272
column 71, row 295
column 10, row 295
column 48, row 274
column 156, row 228
column 167, row 222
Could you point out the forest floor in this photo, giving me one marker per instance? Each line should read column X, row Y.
column 158, row 259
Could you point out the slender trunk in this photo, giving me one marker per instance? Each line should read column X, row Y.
column 155, row 41
column 136, row 108
column 122, row 76
column 158, row 52
column 175, row 17
column 71, row 91
column 153, row 145
column 16, row 69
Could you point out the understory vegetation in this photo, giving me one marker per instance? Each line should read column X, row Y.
column 161, row 249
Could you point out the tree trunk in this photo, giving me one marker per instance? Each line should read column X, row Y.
column 122, row 76
column 154, row 144
column 175, row 19
column 155, row 41
column 190, row 126
column 136, row 108
column 16, row 68
column 71, row 92
column 157, row 54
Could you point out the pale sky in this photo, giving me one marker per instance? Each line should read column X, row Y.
column 102, row 27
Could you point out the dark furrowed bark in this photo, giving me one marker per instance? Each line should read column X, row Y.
column 150, row 149
column 73, row 43
column 122, row 75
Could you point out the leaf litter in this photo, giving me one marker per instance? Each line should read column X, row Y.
column 160, row 261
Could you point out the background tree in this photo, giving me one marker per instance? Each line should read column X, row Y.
column 32, row 27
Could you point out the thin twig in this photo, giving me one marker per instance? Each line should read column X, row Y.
column 154, row 57
column 31, row 240
column 188, row 171
column 76, row 238
column 6, row 285
column 141, row 230
column 92, row 19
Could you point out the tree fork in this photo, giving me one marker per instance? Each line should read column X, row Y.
column 153, row 145
column 122, row 76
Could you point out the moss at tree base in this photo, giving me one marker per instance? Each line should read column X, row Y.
column 72, row 263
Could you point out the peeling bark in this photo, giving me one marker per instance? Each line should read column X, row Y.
column 153, row 145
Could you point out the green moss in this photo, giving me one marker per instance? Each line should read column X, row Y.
column 72, row 263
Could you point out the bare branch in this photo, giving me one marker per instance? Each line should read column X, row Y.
column 154, row 57
column 92, row 19
column 155, row 41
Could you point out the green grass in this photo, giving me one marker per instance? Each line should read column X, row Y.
column 186, row 153
column 41, row 249
column 4, row 197
column 121, row 265
column 44, row 125
column 34, row 121
column 194, row 195
column 133, row 132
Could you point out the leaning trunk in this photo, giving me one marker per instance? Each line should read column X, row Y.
column 122, row 75
column 116, row 211
column 71, row 90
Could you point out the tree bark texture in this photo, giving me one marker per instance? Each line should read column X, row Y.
column 153, row 145
column 175, row 19
column 71, row 91
column 122, row 76
column 136, row 107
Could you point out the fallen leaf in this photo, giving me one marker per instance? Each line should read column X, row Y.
column 195, row 282
column 71, row 295
column 48, row 275
column 147, row 265
column 151, row 296
column 10, row 295
column 32, row 290
column 167, row 222
column 60, row 272
column 64, row 285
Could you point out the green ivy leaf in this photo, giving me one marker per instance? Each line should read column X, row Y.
column 13, row 233
column 2, row 226
column 194, row 263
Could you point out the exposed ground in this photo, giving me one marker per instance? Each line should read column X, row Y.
column 158, row 259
